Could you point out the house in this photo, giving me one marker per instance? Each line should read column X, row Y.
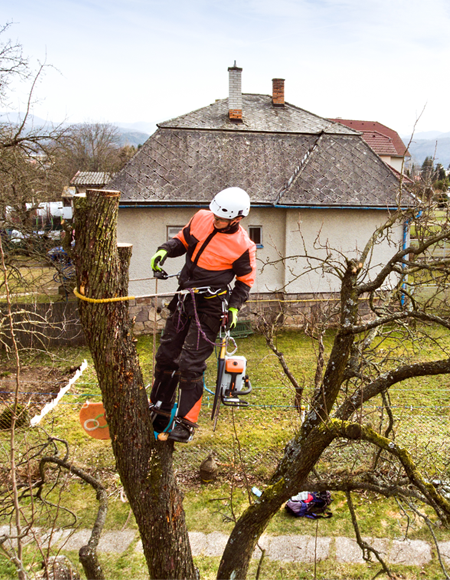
column 313, row 184
column 386, row 142
column 79, row 183
column 83, row 180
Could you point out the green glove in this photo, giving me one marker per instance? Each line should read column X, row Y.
column 158, row 260
column 232, row 318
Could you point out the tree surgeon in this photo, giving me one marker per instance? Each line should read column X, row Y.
column 217, row 250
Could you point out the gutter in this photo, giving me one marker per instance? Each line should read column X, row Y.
column 274, row 205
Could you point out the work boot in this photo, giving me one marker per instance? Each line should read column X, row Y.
column 183, row 431
column 160, row 419
column 162, row 398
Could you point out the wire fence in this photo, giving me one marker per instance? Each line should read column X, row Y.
column 249, row 441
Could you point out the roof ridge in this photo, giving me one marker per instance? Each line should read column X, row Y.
column 297, row 170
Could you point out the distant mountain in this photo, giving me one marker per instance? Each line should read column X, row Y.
column 427, row 135
column 134, row 138
column 437, row 148
column 130, row 134
column 141, row 126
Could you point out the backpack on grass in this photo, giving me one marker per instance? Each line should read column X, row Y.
column 310, row 504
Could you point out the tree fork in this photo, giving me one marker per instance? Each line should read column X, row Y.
column 144, row 465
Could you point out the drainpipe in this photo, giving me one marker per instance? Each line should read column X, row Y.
column 404, row 246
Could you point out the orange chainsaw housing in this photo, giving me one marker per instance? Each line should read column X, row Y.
column 234, row 365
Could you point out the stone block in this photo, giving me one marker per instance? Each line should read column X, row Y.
column 347, row 549
column 215, row 544
column 264, row 543
column 77, row 540
column 116, row 541
column 298, row 548
column 109, row 541
column 142, row 315
column 410, row 552
column 444, row 549
column 198, row 543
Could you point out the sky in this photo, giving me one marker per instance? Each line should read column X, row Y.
column 151, row 60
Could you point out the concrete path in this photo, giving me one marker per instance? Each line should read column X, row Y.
column 292, row 548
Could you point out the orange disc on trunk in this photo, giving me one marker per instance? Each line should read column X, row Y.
column 92, row 419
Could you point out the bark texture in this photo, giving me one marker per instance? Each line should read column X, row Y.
column 304, row 451
column 144, row 465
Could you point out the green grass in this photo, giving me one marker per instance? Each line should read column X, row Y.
column 263, row 430
column 31, row 280
column 130, row 565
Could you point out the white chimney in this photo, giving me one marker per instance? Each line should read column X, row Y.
column 235, row 93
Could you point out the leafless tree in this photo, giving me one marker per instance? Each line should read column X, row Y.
column 13, row 64
column 90, row 147
column 358, row 369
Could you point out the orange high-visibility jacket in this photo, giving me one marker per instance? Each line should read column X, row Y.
column 214, row 257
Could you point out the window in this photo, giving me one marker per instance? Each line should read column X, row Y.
column 255, row 233
column 172, row 231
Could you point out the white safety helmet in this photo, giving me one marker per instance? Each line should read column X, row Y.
column 230, row 203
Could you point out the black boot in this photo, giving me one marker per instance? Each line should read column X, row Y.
column 160, row 419
column 162, row 397
column 183, row 431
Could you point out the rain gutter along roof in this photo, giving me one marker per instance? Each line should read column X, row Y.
column 153, row 205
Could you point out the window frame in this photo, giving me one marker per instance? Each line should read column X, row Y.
column 168, row 228
column 260, row 228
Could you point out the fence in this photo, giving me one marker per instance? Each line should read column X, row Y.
column 249, row 442
column 41, row 325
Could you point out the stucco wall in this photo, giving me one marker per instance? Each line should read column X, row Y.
column 332, row 231
column 285, row 232
column 146, row 229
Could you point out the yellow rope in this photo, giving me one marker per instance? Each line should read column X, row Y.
column 102, row 300
column 123, row 298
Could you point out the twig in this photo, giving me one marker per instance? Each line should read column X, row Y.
column 18, row 559
column 365, row 547
column 241, row 461
column 88, row 553
column 258, row 571
column 315, row 550
column 427, row 521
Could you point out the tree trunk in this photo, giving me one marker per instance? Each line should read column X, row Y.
column 144, row 465
column 304, row 451
column 298, row 461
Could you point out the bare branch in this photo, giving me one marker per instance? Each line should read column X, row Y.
column 365, row 547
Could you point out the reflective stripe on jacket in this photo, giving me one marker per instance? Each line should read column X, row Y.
column 214, row 257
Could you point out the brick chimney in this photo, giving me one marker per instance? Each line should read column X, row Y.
column 278, row 92
column 235, row 93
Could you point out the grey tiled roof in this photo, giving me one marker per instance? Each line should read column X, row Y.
column 342, row 171
column 91, row 178
column 302, row 160
column 258, row 114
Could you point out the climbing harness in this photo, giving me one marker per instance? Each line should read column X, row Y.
column 232, row 380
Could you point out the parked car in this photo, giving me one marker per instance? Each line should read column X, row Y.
column 58, row 254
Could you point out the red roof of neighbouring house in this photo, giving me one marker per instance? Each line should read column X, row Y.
column 381, row 139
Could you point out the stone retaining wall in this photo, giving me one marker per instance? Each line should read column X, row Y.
column 58, row 323
column 293, row 310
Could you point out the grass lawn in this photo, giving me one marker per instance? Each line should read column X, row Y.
column 247, row 445
column 31, row 280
